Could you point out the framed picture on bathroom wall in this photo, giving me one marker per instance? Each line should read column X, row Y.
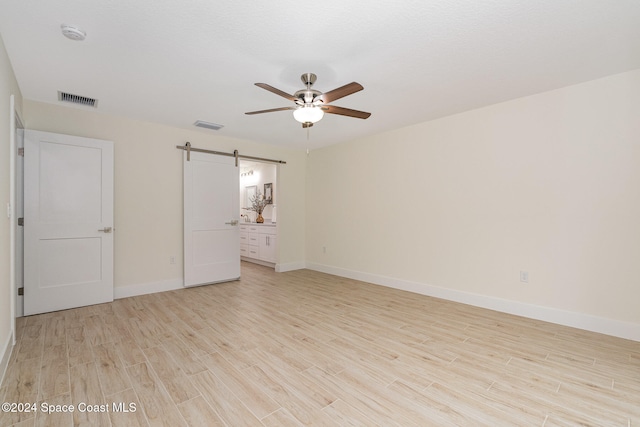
column 268, row 192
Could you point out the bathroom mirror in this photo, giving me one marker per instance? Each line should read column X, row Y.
column 250, row 191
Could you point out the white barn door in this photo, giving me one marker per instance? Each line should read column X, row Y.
column 68, row 221
column 211, row 216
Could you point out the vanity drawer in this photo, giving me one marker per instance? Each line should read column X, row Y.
column 268, row 230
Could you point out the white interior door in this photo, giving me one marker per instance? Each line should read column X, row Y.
column 211, row 215
column 68, row 222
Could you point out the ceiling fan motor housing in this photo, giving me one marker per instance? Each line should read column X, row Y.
column 307, row 96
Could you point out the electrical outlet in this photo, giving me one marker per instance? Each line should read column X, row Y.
column 172, row 259
column 524, row 276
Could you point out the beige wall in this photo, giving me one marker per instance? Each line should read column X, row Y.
column 548, row 184
column 8, row 87
column 148, row 188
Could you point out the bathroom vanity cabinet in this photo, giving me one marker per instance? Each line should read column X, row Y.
column 258, row 242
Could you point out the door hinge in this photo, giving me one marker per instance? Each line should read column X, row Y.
column 20, row 291
column 21, row 152
column 21, row 221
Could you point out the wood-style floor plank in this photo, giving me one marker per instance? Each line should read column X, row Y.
column 111, row 370
column 171, row 375
column 126, row 410
column 154, row 399
column 85, row 389
column 223, row 401
column 305, row 348
column 259, row 402
column 21, row 385
column 54, row 372
column 55, row 418
column 197, row 412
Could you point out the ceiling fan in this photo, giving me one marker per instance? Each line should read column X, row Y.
column 310, row 104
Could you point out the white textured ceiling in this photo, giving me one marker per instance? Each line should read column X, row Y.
column 175, row 62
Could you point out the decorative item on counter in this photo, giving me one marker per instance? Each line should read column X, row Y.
column 258, row 203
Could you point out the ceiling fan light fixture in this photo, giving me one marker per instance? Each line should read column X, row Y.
column 308, row 114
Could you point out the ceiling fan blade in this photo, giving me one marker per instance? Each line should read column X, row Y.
column 276, row 91
column 340, row 92
column 271, row 110
column 332, row 109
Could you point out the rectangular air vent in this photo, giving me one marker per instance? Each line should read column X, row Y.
column 208, row 125
column 77, row 99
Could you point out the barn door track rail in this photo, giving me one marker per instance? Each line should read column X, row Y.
column 188, row 148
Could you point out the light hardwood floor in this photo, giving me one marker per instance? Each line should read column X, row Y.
column 306, row 348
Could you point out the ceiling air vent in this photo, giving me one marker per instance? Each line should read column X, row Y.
column 208, row 125
column 77, row 99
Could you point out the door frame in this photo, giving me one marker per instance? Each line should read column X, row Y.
column 15, row 192
column 19, row 208
column 247, row 162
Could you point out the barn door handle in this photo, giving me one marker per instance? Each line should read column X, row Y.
column 232, row 222
column 105, row 230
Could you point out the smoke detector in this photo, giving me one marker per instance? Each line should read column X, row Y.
column 73, row 33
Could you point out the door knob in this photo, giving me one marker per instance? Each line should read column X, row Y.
column 105, row 230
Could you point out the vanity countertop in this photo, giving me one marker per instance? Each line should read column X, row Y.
column 264, row 224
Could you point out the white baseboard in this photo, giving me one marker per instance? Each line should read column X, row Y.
column 20, row 306
column 617, row 328
column 6, row 355
column 173, row 284
column 147, row 288
column 290, row 266
column 258, row 261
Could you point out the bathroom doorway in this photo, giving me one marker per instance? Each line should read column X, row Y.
column 258, row 213
column 258, row 179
